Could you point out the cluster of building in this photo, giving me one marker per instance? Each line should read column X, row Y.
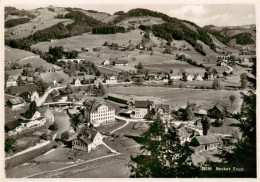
column 16, row 127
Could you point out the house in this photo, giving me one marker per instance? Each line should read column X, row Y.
column 176, row 77
column 98, row 113
column 184, row 136
column 197, row 77
column 199, row 112
column 55, row 83
column 16, row 127
column 206, row 143
column 16, row 103
column 11, row 82
column 106, row 62
column 34, row 96
column 87, row 141
column 120, row 63
column 163, row 110
column 77, row 82
column 34, row 115
column 142, row 108
column 189, row 78
column 98, row 81
column 75, row 98
column 221, row 63
column 218, row 112
column 111, row 80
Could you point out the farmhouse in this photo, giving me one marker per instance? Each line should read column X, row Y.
column 34, row 96
column 87, row 141
column 111, row 80
column 120, row 63
column 163, row 110
column 218, row 112
column 16, row 103
column 197, row 77
column 205, row 143
column 77, row 82
column 176, row 77
column 11, row 82
column 98, row 113
column 184, row 136
column 142, row 108
column 106, row 62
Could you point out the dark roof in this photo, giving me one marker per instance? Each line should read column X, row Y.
column 88, row 136
column 165, row 107
column 143, row 104
column 220, row 108
column 120, row 62
column 12, row 125
column 207, row 140
column 16, row 101
column 92, row 106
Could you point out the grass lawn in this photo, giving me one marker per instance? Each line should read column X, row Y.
column 131, row 130
column 179, row 97
column 110, row 126
column 91, row 40
column 10, row 114
column 68, row 155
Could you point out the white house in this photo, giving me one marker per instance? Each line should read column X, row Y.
column 189, row 78
column 37, row 122
column 87, row 141
column 106, row 62
column 55, row 83
column 183, row 135
column 111, row 80
column 176, row 77
column 11, row 82
column 163, row 110
column 77, row 82
column 98, row 113
column 120, row 63
column 198, row 77
column 35, row 96
column 206, row 143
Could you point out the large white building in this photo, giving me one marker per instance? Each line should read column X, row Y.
column 87, row 141
column 98, row 113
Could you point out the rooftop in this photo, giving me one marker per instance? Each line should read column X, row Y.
column 143, row 104
column 203, row 140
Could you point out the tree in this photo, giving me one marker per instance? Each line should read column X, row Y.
column 44, row 136
column 205, row 124
column 246, row 146
column 102, row 90
column 216, row 84
column 243, row 80
column 54, row 127
column 65, row 135
column 10, row 144
column 232, row 98
column 168, row 158
column 33, row 106
column 170, row 82
column 188, row 114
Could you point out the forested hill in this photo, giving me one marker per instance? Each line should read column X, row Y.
column 173, row 28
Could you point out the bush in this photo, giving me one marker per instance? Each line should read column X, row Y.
column 218, row 123
column 54, row 127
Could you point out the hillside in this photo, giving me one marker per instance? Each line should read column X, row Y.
column 234, row 35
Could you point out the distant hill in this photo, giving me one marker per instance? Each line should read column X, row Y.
column 233, row 35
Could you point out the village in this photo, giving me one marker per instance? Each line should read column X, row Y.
column 72, row 109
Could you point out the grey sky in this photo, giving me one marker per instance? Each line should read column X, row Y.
column 201, row 14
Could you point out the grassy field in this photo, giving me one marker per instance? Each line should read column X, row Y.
column 50, row 76
column 131, row 130
column 24, row 57
column 44, row 19
column 91, row 40
column 179, row 97
column 147, row 20
column 110, row 126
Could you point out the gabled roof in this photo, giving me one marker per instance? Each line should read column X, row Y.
column 12, row 125
column 88, row 136
column 16, row 101
column 93, row 107
column 203, row 140
column 165, row 107
column 220, row 108
column 120, row 62
column 183, row 132
column 11, row 80
column 143, row 104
